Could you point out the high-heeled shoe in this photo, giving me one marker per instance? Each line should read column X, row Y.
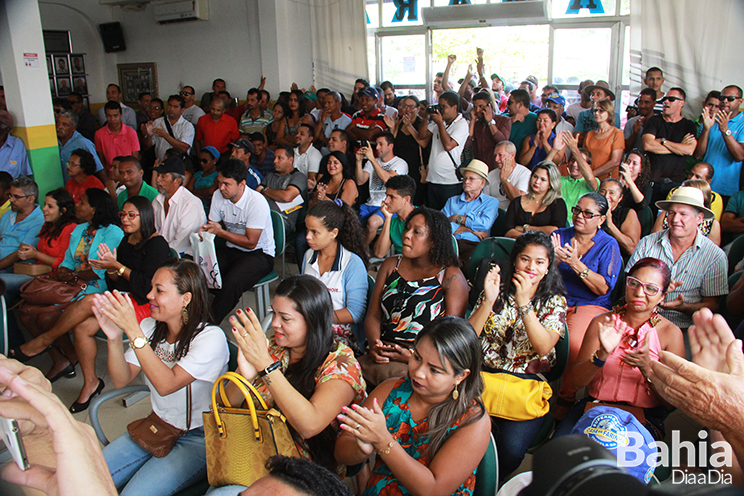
column 67, row 372
column 78, row 407
column 17, row 354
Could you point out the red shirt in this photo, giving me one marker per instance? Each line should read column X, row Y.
column 369, row 121
column 217, row 134
column 115, row 145
column 237, row 112
column 56, row 247
column 78, row 190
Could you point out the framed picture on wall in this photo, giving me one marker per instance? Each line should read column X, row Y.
column 136, row 78
column 52, row 88
column 50, row 65
column 64, row 86
column 86, row 103
column 61, row 65
column 77, row 63
column 80, row 84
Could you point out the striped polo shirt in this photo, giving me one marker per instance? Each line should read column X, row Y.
column 702, row 268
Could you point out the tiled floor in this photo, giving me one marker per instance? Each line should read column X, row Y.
column 115, row 417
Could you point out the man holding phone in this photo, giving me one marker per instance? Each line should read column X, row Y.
column 447, row 131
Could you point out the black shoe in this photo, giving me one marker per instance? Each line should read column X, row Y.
column 81, row 407
column 67, row 372
column 17, row 354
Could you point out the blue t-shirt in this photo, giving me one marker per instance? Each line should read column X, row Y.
column 12, row 234
column 603, row 258
column 726, row 179
column 76, row 141
column 14, row 158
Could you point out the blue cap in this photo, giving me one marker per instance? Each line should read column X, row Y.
column 212, row 151
column 614, row 428
column 557, row 99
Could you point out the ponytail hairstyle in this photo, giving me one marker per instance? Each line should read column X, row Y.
column 338, row 215
column 457, row 343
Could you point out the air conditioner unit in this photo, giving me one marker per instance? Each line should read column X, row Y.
column 492, row 14
column 186, row 10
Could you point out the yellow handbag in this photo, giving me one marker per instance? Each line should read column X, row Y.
column 512, row 397
column 240, row 440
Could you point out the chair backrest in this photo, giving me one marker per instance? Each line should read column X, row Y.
column 646, row 217
column 4, row 329
column 487, row 476
column 495, row 247
column 562, row 349
column 735, row 254
column 174, row 253
column 454, row 245
column 277, row 223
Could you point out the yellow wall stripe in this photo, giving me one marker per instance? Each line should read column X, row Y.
column 37, row 136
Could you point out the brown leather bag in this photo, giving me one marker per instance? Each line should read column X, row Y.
column 47, row 289
column 155, row 435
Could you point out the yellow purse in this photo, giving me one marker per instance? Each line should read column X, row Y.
column 512, row 397
column 240, row 440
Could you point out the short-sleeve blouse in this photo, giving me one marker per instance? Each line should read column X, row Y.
column 554, row 214
column 506, row 345
column 603, row 257
column 340, row 364
column 56, row 247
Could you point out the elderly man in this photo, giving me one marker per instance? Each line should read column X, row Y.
column 509, row 179
column 13, row 155
column 178, row 213
column 191, row 111
column 87, row 124
column 255, row 119
column 249, row 252
column 396, row 207
column 171, row 130
column 69, row 139
column 128, row 116
column 216, row 129
column 634, row 127
column 487, row 128
column 472, row 213
column 698, row 266
column 332, row 118
column 285, row 188
column 721, row 142
column 130, row 176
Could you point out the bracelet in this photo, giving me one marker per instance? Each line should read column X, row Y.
column 269, row 369
column 121, row 271
column 524, row 309
column 111, row 272
column 596, row 361
column 386, row 451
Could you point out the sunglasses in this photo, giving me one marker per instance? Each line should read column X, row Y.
column 730, row 98
column 129, row 215
column 185, row 93
column 597, row 110
column 203, row 160
column 671, row 99
column 584, row 213
column 649, row 289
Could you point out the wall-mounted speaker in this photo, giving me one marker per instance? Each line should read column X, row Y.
column 113, row 38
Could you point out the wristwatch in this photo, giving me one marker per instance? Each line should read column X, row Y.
column 727, row 132
column 525, row 227
column 139, row 342
column 492, row 123
column 663, row 140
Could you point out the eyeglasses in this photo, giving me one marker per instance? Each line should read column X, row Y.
column 467, row 179
column 597, row 110
column 584, row 213
column 730, row 98
column 185, row 93
column 156, row 108
column 408, row 106
column 129, row 215
column 671, row 99
column 649, row 289
column 19, row 197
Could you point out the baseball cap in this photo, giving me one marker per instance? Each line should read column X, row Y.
column 171, row 164
column 557, row 99
column 613, row 428
column 244, row 144
column 370, row 92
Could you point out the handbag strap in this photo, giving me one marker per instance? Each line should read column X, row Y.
column 188, row 407
column 248, row 391
column 168, row 126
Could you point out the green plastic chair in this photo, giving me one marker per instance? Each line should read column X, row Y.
column 495, row 247
column 736, row 253
column 646, row 217
column 487, row 475
column 499, row 225
column 262, row 287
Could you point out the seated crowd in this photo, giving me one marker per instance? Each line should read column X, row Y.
column 612, row 245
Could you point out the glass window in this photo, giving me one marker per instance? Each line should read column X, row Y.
column 373, row 13
column 513, row 52
column 583, row 8
column 626, row 58
column 580, row 54
column 403, row 59
column 371, row 57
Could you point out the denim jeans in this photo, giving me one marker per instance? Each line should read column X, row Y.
column 145, row 475
column 513, row 439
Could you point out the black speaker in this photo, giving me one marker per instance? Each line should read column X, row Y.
column 113, row 38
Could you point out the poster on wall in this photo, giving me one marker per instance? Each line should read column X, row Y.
column 64, row 86
column 77, row 63
column 80, row 85
column 61, row 65
column 136, row 78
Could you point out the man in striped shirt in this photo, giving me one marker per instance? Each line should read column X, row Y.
column 698, row 266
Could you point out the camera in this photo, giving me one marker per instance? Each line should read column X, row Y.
column 576, row 465
column 434, row 109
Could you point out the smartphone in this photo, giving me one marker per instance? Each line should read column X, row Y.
column 14, row 442
column 362, row 144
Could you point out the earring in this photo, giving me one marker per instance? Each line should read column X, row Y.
column 184, row 316
column 455, row 393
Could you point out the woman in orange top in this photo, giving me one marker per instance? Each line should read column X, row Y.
column 607, row 143
column 82, row 169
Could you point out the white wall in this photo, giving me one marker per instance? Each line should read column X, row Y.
column 228, row 45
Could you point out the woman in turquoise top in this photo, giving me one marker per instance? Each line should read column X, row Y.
column 430, row 429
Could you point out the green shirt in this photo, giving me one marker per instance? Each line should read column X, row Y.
column 397, row 225
column 146, row 190
column 573, row 189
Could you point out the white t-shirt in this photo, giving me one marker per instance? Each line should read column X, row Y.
column 341, row 123
column 250, row 212
column 183, row 130
column 520, row 179
column 192, row 114
column 308, row 161
column 205, row 362
column 376, row 186
column 441, row 167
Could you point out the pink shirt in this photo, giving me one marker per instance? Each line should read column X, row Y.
column 113, row 145
column 617, row 381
